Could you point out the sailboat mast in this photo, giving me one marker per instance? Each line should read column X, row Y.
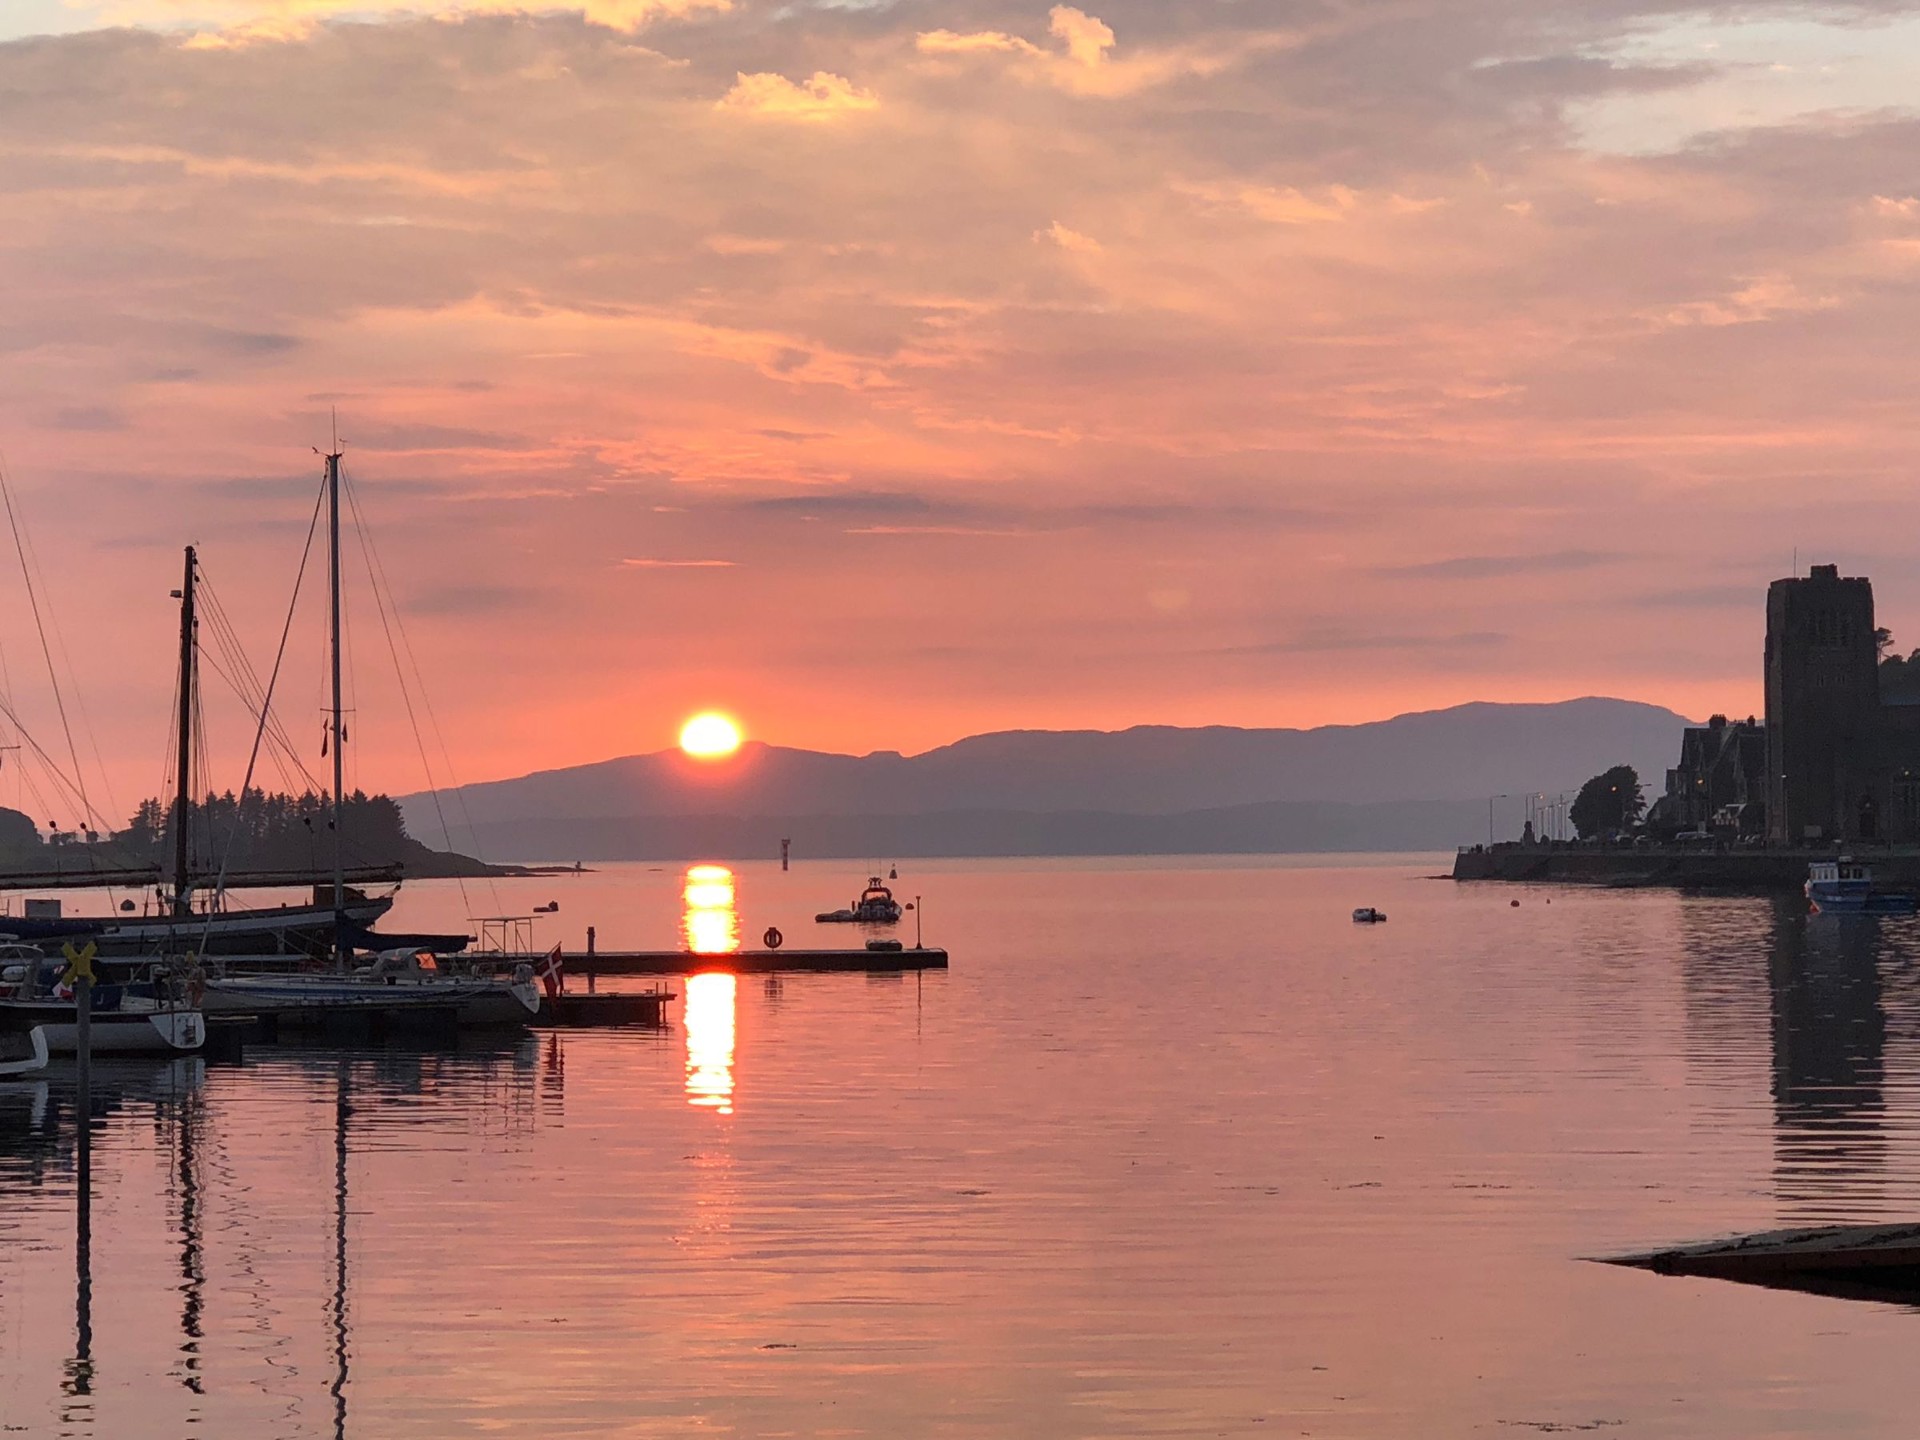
column 339, row 731
column 183, row 794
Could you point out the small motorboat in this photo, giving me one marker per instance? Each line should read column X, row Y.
column 876, row 906
column 1367, row 915
column 1845, row 887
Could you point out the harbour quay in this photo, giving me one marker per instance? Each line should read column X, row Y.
column 1753, row 871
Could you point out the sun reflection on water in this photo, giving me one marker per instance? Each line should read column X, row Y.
column 711, row 925
column 708, row 1015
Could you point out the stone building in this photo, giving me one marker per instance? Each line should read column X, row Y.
column 1720, row 784
column 1841, row 765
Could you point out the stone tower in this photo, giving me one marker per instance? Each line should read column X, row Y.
column 1823, row 704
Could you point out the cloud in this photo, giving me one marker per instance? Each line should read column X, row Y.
column 89, row 417
column 478, row 599
column 1757, row 299
column 237, row 24
column 1495, row 567
column 1087, row 40
column 860, row 502
column 947, row 42
column 1083, row 59
column 1343, row 639
column 648, row 563
column 1069, row 240
column 972, row 530
column 820, row 97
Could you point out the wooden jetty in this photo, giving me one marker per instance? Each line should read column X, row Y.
column 757, row 962
column 1869, row 1262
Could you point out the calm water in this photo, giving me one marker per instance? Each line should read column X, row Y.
column 1174, row 1149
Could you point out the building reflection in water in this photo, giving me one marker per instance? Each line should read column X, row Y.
column 1809, row 999
column 708, row 1014
column 711, row 925
column 1829, row 1065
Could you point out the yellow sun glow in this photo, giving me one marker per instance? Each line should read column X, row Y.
column 711, row 736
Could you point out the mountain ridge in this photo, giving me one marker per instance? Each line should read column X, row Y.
column 1461, row 753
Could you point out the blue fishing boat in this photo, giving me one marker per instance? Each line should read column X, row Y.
column 1845, row 887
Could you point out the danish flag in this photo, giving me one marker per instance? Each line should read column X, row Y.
column 550, row 975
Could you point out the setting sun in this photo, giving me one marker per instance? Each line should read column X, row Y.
column 711, row 736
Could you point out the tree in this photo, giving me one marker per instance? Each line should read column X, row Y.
column 1608, row 803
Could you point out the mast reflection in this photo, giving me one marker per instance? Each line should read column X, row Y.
column 711, row 925
column 709, row 1018
column 337, row 1313
column 193, row 1268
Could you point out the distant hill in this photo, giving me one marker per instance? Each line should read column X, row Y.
column 1416, row 781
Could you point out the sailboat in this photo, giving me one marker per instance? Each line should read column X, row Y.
column 404, row 977
column 217, row 929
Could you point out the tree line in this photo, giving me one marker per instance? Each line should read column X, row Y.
column 258, row 830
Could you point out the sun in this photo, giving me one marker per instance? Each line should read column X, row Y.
column 710, row 736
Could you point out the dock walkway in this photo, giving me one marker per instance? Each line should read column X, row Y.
column 757, row 962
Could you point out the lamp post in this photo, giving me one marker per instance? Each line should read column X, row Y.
column 1490, row 800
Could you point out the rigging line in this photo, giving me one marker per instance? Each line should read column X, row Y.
column 277, row 743
column 245, row 683
column 299, row 576
column 87, row 813
column 238, row 673
column 73, row 678
column 380, row 601
column 33, row 597
column 378, row 568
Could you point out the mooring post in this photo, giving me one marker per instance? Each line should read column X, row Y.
column 589, row 959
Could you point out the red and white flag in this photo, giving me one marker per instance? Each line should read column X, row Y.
column 550, row 975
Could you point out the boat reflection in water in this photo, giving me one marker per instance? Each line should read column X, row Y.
column 711, row 925
column 708, row 1015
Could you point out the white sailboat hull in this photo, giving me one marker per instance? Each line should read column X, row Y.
column 121, row 1032
column 33, row 1041
column 474, row 1002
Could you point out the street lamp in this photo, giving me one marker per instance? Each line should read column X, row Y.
column 1490, row 800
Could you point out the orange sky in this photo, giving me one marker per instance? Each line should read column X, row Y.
column 885, row 373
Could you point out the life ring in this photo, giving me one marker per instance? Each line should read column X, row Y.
column 774, row 939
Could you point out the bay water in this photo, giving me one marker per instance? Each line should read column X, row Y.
column 1174, row 1148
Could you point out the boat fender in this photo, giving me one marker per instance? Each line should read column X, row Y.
column 773, row 938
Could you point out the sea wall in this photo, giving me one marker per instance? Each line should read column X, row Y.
column 1750, row 870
